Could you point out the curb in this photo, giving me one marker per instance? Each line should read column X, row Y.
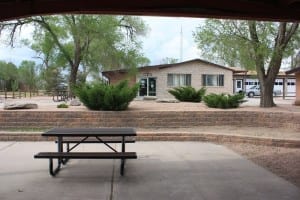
column 217, row 138
column 165, row 136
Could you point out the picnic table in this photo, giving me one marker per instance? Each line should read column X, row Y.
column 76, row 136
column 60, row 95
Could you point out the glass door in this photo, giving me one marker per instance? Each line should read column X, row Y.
column 143, row 87
column 152, row 86
column 238, row 85
column 147, row 86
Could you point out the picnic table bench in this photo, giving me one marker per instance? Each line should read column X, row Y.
column 77, row 136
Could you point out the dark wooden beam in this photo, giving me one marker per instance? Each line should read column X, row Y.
column 275, row 10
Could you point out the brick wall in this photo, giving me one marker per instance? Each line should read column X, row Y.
column 152, row 119
column 115, row 77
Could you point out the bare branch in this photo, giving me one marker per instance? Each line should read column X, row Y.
column 43, row 23
column 130, row 31
column 259, row 58
column 240, row 35
column 13, row 27
column 290, row 33
column 280, row 34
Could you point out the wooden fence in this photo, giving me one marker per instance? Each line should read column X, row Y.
column 17, row 94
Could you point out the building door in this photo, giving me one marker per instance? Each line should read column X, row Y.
column 143, row 87
column 291, row 87
column 152, row 86
column 147, row 86
column 238, row 85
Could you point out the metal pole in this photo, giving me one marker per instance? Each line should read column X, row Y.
column 284, row 88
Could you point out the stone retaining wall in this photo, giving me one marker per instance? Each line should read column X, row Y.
column 151, row 119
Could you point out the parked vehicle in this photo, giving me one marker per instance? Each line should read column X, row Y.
column 255, row 91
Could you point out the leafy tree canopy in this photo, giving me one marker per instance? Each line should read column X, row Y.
column 229, row 42
column 85, row 43
column 8, row 71
column 168, row 60
column 252, row 45
column 28, row 74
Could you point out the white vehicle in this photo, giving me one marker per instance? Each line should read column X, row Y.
column 251, row 86
column 255, row 91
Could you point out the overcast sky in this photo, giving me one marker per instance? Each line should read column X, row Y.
column 163, row 40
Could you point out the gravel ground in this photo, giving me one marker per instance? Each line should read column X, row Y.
column 284, row 162
column 46, row 103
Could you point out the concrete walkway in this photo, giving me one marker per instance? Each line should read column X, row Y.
column 163, row 170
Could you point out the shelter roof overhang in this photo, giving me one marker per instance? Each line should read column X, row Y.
column 294, row 70
column 275, row 10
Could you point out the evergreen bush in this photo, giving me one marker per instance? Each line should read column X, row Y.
column 100, row 96
column 224, row 100
column 188, row 94
column 62, row 105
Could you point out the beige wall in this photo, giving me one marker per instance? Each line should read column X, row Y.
column 194, row 68
column 297, row 102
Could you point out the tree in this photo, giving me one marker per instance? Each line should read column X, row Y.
column 252, row 45
column 28, row 75
column 169, row 60
column 295, row 60
column 8, row 74
column 51, row 78
column 84, row 42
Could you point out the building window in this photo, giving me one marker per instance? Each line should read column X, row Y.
column 175, row 80
column 213, row 80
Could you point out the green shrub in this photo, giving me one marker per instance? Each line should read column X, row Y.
column 224, row 100
column 62, row 105
column 100, row 96
column 188, row 94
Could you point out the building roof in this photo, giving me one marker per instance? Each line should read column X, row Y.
column 254, row 73
column 294, row 70
column 233, row 69
column 236, row 70
column 191, row 61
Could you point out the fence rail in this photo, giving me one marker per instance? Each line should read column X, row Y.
column 17, row 94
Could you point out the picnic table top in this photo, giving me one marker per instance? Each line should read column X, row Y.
column 116, row 131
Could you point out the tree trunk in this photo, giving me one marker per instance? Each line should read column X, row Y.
column 73, row 79
column 266, row 96
column 267, row 77
column 73, row 76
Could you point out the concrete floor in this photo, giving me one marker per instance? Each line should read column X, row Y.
column 163, row 170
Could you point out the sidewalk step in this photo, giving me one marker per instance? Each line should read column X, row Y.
column 172, row 136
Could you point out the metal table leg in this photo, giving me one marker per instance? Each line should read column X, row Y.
column 122, row 160
column 52, row 171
